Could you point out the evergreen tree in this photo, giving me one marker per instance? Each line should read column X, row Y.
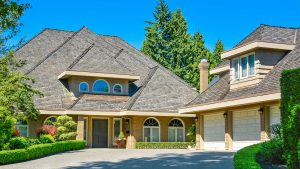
column 215, row 58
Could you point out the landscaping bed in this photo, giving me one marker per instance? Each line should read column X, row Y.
column 39, row 150
column 163, row 145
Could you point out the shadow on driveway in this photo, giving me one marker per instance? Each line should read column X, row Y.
column 199, row 160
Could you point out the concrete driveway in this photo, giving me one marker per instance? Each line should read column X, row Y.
column 120, row 158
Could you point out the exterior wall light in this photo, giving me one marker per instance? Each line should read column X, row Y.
column 196, row 118
column 225, row 115
column 261, row 110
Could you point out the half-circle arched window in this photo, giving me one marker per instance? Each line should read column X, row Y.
column 101, row 86
column 176, row 131
column 151, row 130
column 83, row 87
column 117, row 89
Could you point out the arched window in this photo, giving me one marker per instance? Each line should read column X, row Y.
column 101, row 86
column 22, row 127
column 83, row 87
column 176, row 131
column 117, row 89
column 151, row 130
column 50, row 120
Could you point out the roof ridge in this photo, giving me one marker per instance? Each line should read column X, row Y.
column 144, row 84
column 47, row 56
column 80, row 56
column 118, row 54
column 55, row 29
column 256, row 29
column 274, row 26
column 75, row 102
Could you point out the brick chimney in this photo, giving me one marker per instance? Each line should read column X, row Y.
column 203, row 68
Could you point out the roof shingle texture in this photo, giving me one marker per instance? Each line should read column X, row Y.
column 54, row 51
column 220, row 91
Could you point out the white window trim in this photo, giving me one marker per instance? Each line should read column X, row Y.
column 114, row 119
column 114, row 89
column 183, row 128
column 150, row 127
column 88, row 87
column 105, row 82
column 240, row 66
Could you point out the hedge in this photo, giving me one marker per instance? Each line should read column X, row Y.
column 163, row 145
column 37, row 151
column 245, row 158
column 290, row 115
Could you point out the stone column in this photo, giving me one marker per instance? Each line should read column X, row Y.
column 228, row 131
column 200, row 132
column 80, row 128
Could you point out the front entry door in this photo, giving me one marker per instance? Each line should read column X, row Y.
column 100, row 133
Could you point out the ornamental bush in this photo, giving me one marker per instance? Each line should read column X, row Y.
column 66, row 128
column 290, row 115
column 37, row 151
column 46, row 139
column 271, row 152
column 163, row 145
column 47, row 129
column 18, row 143
column 245, row 158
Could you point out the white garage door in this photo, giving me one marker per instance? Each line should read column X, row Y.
column 246, row 128
column 274, row 115
column 214, row 132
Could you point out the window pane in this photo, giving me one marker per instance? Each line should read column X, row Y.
column 101, row 86
column 236, row 69
column 244, row 66
column 155, row 135
column 179, row 135
column 117, row 128
column 117, row 89
column 23, row 130
column 83, row 87
column 251, row 65
column 172, row 135
column 146, row 134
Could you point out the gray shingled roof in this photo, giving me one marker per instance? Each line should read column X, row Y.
column 220, row 92
column 53, row 51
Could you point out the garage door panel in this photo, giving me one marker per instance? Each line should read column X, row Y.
column 246, row 128
column 214, row 131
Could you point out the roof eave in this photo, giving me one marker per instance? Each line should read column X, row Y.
column 255, row 45
column 230, row 103
column 69, row 73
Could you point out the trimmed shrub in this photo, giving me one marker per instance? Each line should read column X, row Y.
column 47, row 129
column 290, row 115
column 299, row 150
column 37, row 151
column 66, row 128
column 34, row 141
column 46, row 139
column 18, row 143
column 271, row 152
column 163, row 145
column 245, row 158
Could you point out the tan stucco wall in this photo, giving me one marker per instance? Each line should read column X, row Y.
column 75, row 81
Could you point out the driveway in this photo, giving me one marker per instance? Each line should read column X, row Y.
column 121, row 158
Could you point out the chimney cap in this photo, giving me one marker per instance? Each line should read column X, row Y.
column 203, row 60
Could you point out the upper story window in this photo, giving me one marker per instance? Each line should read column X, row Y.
column 101, row 86
column 83, row 87
column 117, row 89
column 243, row 67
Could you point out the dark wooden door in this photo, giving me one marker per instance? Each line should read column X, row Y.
column 100, row 133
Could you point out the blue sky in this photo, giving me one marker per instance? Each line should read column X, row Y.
column 228, row 20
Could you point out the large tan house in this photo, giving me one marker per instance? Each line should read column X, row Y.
column 107, row 86
column 241, row 103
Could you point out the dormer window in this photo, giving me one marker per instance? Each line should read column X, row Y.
column 243, row 66
column 83, row 87
column 101, row 86
column 117, row 89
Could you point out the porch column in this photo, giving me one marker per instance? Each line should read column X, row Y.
column 228, row 131
column 264, row 123
column 200, row 132
column 80, row 128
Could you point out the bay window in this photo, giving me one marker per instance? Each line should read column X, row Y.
column 243, row 67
